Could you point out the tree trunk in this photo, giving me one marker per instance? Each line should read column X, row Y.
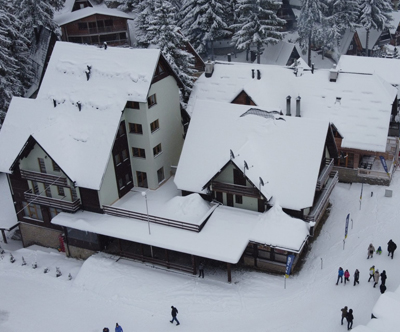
column 309, row 51
column 258, row 52
column 366, row 42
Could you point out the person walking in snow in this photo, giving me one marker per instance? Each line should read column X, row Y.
column 391, row 248
column 346, row 276
column 174, row 312
column 344, row 313
column 350, row 319
column 118, row 328
column 382, row 287
column 340, row 275
column 356, row 277
column 371, row 250
column 376, row 277
column 383, row 277
column 371, row 272
column 201, row 270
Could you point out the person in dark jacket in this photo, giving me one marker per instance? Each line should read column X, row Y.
column 340, row 275
column 344, row 313
column 382, row 287
column 391, row 248
column 174, row 312
column 201, row 270
column 350, row 318
column 383, row 277
column 356, row 277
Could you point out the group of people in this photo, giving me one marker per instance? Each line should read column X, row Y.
column 374, row 274
column 118, row 328
column 391, row 248
column 349, row 317
column 346, row 275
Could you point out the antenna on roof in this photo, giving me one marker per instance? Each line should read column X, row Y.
column 54, row 102
column 232, row 155
column 79, row 105
column 245, row 167
column 261, row 184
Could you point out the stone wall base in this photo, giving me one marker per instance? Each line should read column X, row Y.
column 45, row 237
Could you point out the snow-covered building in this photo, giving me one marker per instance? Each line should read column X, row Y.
column 88, row 22
column 104, row 121
column 358, row 106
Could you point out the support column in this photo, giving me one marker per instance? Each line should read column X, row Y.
column 167, row 258
column 4, row 236
column 194, row 265
column 228, row 266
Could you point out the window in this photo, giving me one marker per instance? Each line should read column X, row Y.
column 124, row 155
column 56, row 168
column 142, row 179
column 135, row 128
column 54, row 212
column 120, row 183
column 117, row 159
column 108, row 23
column 132, row 104
column 42, row 165
column 238, row 177
column 152, row 100
column 60, row 191
column 92, row 25
column 157, row 150
column 74, row 194
column 160, row 69
column 160, row 174
column 32, row 211
column 238, row 199
column 35, row 188
column 128, row 178
column 48, row 190
column 82, row 26
column 121, row 129
column 100, row 24
column 154, row 126
column 137, row 152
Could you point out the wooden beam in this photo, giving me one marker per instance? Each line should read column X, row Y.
column 228, row 266
column 193, row 265
column 4, row 236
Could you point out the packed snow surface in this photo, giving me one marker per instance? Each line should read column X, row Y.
column 139, row 296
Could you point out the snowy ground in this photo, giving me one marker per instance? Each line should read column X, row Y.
column 104, row 291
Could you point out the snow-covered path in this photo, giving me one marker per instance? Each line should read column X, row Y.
column 138, row 297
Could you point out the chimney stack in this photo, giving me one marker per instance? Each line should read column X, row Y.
column 298, row 106
column 229, row 57
column 333, row 74
column 288, row 98
column 209, row 68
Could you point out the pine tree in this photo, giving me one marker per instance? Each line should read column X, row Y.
column 374, row 14
column 258, row 25
column 144, row 11
column 126, row 5
column 166, row 35
column 204, row 21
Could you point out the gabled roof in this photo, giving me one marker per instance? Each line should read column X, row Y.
column 286, row 153
column 373, row 37
column 361, row 114
column 79, row 141
column 278, row 54
column 395, row 21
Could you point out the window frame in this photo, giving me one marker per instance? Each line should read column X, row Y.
column 139, row 153
column 152, row 100
column 60, row 191
column 162, row 175
column 157, row 150
column 154, row 126
column 135, row 128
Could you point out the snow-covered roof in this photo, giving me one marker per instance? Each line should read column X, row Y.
column 265, row 144
column 388, row 69
column 66, row 133
column 345, row 41
column 8, row 218
column 66, row 15
column 358, row 105
column 373, row 37
column 223, row 238
column 278, row 54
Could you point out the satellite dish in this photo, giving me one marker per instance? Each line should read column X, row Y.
column 245, row 165
column 261, row 181
column 232, row 155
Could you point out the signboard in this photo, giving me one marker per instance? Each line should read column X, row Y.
column 289, row 263
column 347, row 225
column 383, row 161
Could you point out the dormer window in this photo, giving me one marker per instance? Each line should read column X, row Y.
column 132, row 104
column 152, row 100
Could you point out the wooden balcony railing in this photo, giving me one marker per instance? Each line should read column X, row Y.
column 235, row 189
column 118, row 212
column 52, row 202
column 44, row 178
column 318, row 208
column 326, row 171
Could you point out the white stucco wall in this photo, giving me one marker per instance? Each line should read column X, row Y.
column 108, row 192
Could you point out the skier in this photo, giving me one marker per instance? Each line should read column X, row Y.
column 340, row 275
column 350, row 318
column 174, row 312
column 356, row 277
column 376, row 277
column 344, row 313
column 371, row 272
column 118, row 328
column 383, row 277
column 379, row 250
column 201, row 270
column 391, row 248
column 346, row 276
column 371, row 250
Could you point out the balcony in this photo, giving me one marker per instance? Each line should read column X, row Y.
column 235, row 189
column 44, row 178
column 52, row 202
column 323, row 200
column 326, row 171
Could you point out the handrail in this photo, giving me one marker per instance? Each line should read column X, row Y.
column 44, row 178
column 52, row 202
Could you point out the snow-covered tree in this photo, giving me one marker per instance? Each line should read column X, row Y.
column 145, row 11
column 15, row 72
column 35, row 13
column 374, row 14
column 126, row 5
column 344, row 13
column 204, row 21
column 258, row 25
column 166, row 35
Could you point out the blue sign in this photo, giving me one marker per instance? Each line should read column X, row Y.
column 347, row 226
column 289, row 263
column 383, row 161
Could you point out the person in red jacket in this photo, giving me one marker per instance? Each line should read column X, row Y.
column 346, row 276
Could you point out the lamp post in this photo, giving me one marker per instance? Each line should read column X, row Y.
column 148, row 221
